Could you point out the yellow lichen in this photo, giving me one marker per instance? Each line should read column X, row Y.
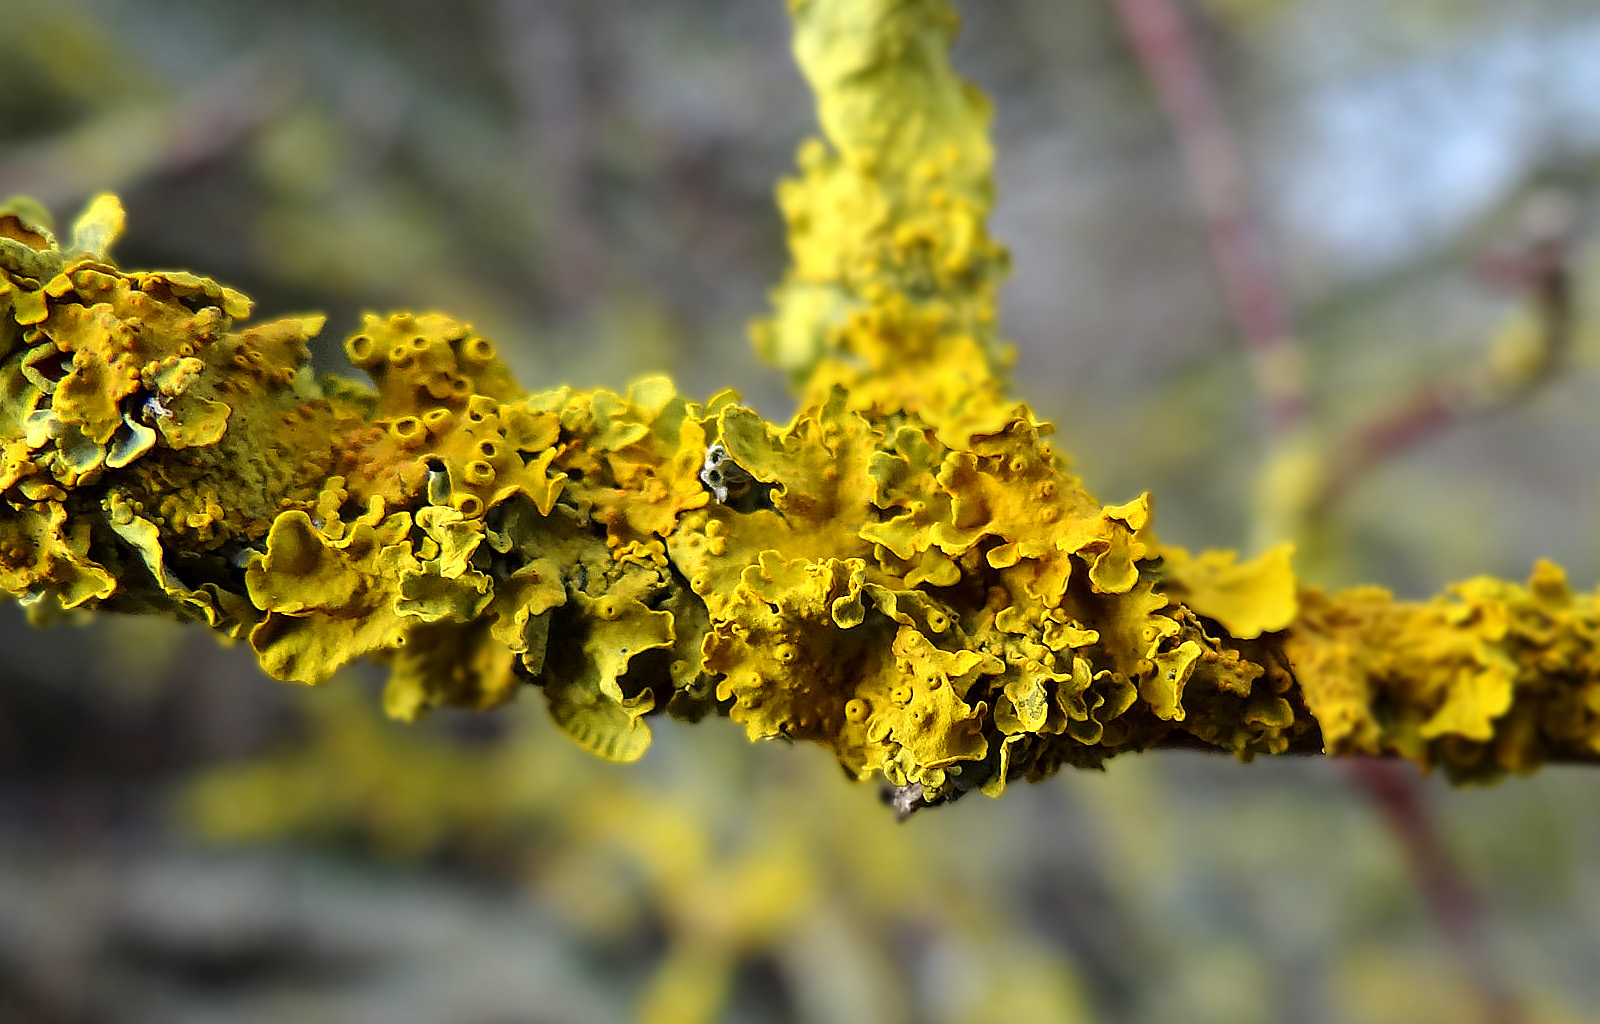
column 1489, row 677
column 905, row 573
column 1247, row 599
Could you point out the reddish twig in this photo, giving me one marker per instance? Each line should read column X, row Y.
column 1394, row 790
column 1166, row 50
column 1541, row 272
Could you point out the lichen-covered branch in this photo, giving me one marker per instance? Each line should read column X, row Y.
column 906, row 573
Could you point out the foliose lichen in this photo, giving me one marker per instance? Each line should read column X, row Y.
column 906, row 573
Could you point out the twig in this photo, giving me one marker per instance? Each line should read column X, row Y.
column 1449, row 896
column 1166, row 50
column 1540, row 269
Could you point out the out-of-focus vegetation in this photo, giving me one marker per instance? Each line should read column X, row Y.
column 590, row 185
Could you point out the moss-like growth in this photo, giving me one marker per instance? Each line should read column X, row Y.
column 906, row 573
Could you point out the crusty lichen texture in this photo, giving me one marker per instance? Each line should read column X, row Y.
column 906, row 573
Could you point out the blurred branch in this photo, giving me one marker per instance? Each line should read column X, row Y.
column 1516, row 367
column 1445, row 889
column 1164, row 44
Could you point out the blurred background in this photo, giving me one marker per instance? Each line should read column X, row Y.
column 589, row 183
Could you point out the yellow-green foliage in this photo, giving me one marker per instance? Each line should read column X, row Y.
column 906, row 573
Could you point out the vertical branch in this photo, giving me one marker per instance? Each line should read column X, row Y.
column 890, row 291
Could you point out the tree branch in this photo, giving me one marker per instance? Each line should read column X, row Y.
column 905, row 574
